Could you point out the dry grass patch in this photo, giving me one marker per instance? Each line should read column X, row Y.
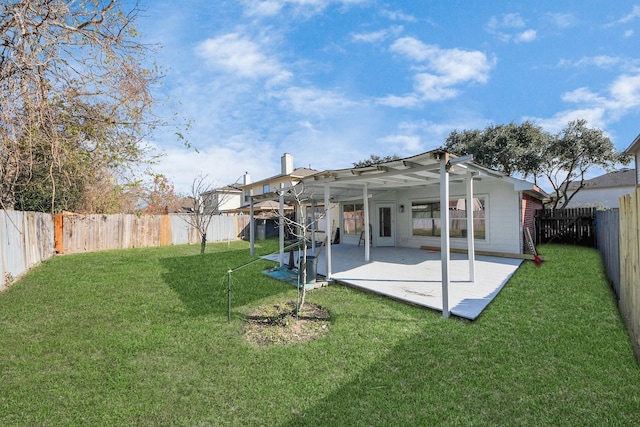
column 278, row 324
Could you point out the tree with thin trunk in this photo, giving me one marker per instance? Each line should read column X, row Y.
column 205, row 204
column 299, row 227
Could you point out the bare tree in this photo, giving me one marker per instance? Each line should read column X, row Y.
column 206, row 203
column 75, row 99
column 299, row 227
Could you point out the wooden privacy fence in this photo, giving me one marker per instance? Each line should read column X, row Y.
column 76, row 233
column 26, row 239
column 608, row 243
column 572, row 226
column 630, row 265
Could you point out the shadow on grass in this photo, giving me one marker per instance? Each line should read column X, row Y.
column 449, row 376
column 551, row 350
column 201, row 281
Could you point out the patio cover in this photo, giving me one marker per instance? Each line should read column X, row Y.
column 435, row 168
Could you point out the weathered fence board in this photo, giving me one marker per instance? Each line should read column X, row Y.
column 86, row 233
column 608, row 243
column 630, row 265
column 572, row 226
column 26, row 239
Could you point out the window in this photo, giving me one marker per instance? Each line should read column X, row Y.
column 353, row 218
column 265, row 189
column 426, row 218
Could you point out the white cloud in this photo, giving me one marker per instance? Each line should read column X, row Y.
column 508, row 20
column 582, row 95
column 396, row 15
column 628, row 34
column 593, row 116
column 508, row 27
column 240, row 56
column 562, row 20
column 526, row 36
column 268, row 8
column 405, row 101
column 440, row 70
column 314, row 102
column 376, row 36
column 635, row 13
column 625, row 92
column 221, row 164
column 405, row 143
column 620, row 98
column 604, row 62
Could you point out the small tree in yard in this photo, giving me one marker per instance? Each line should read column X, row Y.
column 203, row 209
column 302, row 231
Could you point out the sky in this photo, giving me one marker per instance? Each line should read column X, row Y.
column 333, row 81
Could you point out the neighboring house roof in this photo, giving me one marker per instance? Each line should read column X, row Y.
column 231, row 188
column 620, row 178
column 634, row 147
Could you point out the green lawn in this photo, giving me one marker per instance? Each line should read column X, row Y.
column 140, row 337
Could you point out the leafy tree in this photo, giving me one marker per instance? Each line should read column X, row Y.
column 160, row 197
column 527, row 150
column 510, row 148
column 375, row 160
column 570, row 154
column 75, row 100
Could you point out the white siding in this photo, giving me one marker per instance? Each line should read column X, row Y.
column 599, row 197
column 502, row 217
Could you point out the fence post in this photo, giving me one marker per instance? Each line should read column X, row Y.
column 58, row 233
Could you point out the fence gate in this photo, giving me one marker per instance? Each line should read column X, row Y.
column 575, row 226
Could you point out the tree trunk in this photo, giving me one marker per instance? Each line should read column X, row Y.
column 203, row 243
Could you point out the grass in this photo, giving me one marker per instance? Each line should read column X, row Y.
column 140, row 337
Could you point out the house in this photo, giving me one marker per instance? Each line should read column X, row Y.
column 399, row 204
column 224, row 199
column 268, row 210
column 287, row 178
column 603, row 191
column 404, row 199
column 634, row 150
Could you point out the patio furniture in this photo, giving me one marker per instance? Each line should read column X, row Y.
column 370, row 236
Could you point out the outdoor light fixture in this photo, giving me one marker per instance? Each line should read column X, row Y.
column 401, row 208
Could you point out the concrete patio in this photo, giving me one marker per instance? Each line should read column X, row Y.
column 414, row 276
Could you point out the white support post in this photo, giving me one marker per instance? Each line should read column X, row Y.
column 471, row 250
column 281, row 225
column 313, row 226
column 252, row 230
column 444, row 232
column 327, row 227
column 367, row 237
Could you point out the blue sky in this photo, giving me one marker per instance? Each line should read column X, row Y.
column 333, row 81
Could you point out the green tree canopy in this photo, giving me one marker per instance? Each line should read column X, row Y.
column 528, row 151
column 375, row 160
